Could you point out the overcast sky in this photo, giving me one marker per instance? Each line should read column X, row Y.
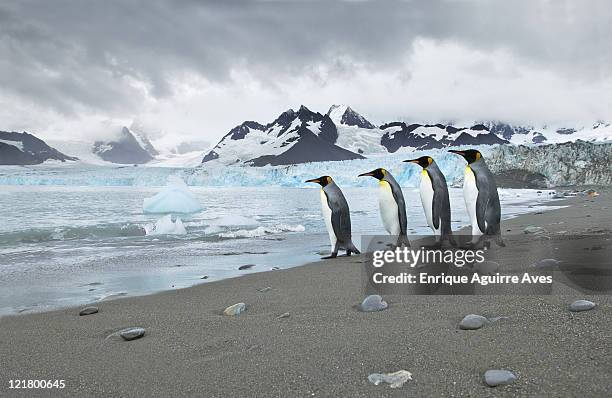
column 194, row 69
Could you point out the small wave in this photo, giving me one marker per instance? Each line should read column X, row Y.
column 262, row 231
column 72, row 233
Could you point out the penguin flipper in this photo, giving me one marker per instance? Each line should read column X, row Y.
column 396, row 191
column 482, row 202
column 340, row 217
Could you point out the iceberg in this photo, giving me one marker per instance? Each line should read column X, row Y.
column 174, row 198
column 165, row 226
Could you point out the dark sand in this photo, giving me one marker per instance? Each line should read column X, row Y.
column 326, row 347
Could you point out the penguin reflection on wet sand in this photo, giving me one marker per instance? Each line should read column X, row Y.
column 434, row 198
column 481, row 198
column 392, row 205
column 336, row 215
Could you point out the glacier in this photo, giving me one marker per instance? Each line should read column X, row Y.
column 343, row 172
column 174, row 198
column 217, row 175
column 557, row 162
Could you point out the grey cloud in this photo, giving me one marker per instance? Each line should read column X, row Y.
column 72, row 54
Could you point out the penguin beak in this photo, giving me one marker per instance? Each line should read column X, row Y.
column 457, row 152
column 368, row 174
column 313, row 180
column 412, row 161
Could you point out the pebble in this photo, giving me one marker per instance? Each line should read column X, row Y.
column 132, row 333
column 264, row 289
column 486, row 267
column 496, row 377
column 373, row 303
column 532, row 229
column 88, row 311
column 204, row 277
column 582, row 305
column 247, row 266
column 546, row 263
column 472, row 322
column 235, row 309
column 395, row 379
column 285, row 315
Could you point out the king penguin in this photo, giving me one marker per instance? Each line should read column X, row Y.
column 434, row 198
column 391, row 204
column 481, row 198
column 336, row 215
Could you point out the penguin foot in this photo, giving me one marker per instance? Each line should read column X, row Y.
column 333, row 255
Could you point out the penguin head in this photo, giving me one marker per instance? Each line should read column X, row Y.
column 470, row 155
column 378, row 173
column 423, row 161
column 323, row 180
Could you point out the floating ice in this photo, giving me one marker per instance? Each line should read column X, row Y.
column 165, row 226
column 174, row 198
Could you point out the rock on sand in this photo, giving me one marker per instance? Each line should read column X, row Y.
column 582, row 305
column 495, row 377
column 235, row 309
column 132, row 333
column 373, row 303
column 88, row 311
column 472, row 322
column 395, row 379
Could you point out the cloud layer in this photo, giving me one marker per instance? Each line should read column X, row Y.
column 195, row 69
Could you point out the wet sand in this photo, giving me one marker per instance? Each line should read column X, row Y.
column 326, row 347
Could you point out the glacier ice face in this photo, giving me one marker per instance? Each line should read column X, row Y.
column 174, row 198
column 343, row 172
column 165, row 226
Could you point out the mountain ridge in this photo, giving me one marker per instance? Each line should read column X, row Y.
column 26, row 149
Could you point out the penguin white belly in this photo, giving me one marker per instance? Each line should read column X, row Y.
column 388, row 209
column 427, row 194
column 327, row 216
column 470, row 195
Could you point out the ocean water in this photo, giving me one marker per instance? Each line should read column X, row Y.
column 71, row 243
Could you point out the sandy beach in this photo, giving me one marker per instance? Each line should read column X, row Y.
column 325, row 347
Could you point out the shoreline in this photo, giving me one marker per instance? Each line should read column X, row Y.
column 325, row 347
column 125, row 275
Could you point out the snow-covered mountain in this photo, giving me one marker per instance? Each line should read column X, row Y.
column 290, row 139
column 528, row 135
column 294, row 137
column 355, row 132
column 127, row 148
column 398, row 135
column 26, row 149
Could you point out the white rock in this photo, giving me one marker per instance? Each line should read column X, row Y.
column 395, row 379
column 495, row 377
column 532, row 229
column 472, row 322
column 546, row 263
column 582, row 305
column 373, row 303
column 132, row 333
column 486, row 267
column 235, row 309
